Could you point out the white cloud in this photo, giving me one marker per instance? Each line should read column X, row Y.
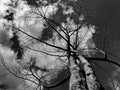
column 3, row 5
column 32, row 24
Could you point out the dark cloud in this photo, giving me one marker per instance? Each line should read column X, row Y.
column 4, row 39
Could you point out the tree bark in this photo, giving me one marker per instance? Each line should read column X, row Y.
column 77, row 79
column 82, row 75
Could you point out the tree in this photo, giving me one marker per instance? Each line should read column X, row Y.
column 69, row 41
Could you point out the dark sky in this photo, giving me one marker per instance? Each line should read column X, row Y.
column 103, row 10
column 107, row 17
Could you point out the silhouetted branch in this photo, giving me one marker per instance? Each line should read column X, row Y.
column 2, row 60
column 39, row 39
column 41, row 51
column 102, row 59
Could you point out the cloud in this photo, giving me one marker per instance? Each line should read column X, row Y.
column 5, row 39
column 5, row 77
column 29, row 21
column 8, row 80
column 4, row 6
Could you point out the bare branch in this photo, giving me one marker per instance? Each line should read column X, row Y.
column 44, row 52
column 39, row 39
column 102, row 59
column 54, row 22
column 2, row 60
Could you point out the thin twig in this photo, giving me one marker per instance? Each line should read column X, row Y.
column 14, row 73
column 101, row 59
column 44, row 52
column 39, row 39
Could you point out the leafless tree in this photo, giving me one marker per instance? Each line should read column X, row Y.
column 82, row 76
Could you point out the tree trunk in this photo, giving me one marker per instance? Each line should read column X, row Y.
column 82, row 75
column 77, row 79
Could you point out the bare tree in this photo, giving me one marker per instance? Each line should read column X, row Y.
column 71, row 43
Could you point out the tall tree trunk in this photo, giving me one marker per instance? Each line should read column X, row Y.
column 77, row 79
column 82, row 75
